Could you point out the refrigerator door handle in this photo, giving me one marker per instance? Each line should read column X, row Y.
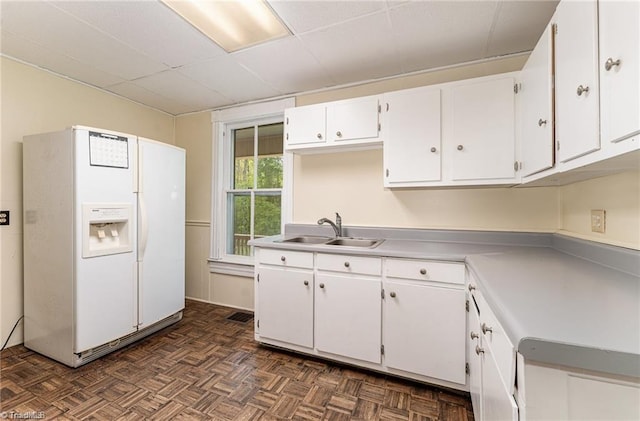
column 144, row 227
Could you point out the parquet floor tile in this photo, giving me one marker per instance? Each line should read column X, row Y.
column 208, row 368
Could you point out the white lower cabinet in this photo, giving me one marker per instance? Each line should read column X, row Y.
column 285, row 299
column 348, row 317
column 424, row 330
column 424, row 318
column 333, row 306
column 491, row 364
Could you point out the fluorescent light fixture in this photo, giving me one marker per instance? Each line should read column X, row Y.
column 232, row 24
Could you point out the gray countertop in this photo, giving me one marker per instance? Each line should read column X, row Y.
column 555, row 307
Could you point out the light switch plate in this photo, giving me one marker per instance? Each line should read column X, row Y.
column 598, row 217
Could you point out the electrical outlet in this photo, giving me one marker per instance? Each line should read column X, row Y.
column 4, row 217
column 598, row 217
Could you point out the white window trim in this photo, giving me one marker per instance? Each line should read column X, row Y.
column 219, row 261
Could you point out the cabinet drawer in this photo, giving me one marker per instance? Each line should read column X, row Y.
column 350, row 264
column 286, row 258
column 495, row 338
column 422, row 270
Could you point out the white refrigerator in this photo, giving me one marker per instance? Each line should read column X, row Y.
column 104, row 238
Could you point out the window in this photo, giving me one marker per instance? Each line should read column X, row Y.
column 254, row 196
column 250, row 184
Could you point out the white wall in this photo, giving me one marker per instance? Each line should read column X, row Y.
column 35, row 101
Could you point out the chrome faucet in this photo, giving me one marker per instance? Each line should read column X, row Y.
column 337, row 227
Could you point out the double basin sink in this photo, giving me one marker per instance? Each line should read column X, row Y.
column 339, row 241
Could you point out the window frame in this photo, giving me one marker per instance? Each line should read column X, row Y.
column 223, row 121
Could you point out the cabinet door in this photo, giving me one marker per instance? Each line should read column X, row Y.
column 620, row 79
column 412, row 141
column 285, row 305
column 576, row 58
column 304, row 125
column 352, row 119
column 482, row 142
column 537, row 108
column 497, row 402
column 348, row 316
column 475, row 360
column 424, row 330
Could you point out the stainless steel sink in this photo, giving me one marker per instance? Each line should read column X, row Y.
column 307, row 239
column 355, row 242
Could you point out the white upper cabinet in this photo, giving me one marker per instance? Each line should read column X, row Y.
column 619, row 69
column 481, row 141
column 353, row 119
column 412, row 144
column 305, row 125
column 536, row 123
column 333, row 126
column 577, row 88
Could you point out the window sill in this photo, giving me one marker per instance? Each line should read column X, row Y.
column 227, row 268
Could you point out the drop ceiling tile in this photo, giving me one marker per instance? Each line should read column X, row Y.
column 285, row 65
column 519, row 25
column 29, row 52
column 303, row 16
column 224, row 75
column 434, row 34
column 143, row 96
column 58, row 31
column 174, row 85
column 357, row 50
column 149, row 27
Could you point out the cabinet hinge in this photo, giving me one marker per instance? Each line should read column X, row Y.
column 379, row 108
column 466, row 306
column 287, row 121
column 258, row 322
column 258, row 278
column 554, row 27
column 379, row 127
column 387, row 107
column 517, row 87
column 382, row 294
column 287, row 136
column 387, row 172
column 466, row 368
column 382, row 349
column 517, row 166
column 557, row 145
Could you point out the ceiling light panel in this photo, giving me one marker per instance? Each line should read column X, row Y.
column 232, row 24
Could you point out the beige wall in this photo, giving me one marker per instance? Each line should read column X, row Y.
column 35, row 101
column 618, row 195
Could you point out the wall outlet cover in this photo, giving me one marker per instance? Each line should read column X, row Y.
column 598, row 219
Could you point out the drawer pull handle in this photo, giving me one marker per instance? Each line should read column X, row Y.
column 434, row 150
column 321, row 285
column 346, row 264
column 423, row 271
column 486, row 328
column 319, row 136
column 542, row 122
column 392, row 294
column 471, row 287
column 479, row 350
column 475, row 335
column 460, row 147
column 282, row 258
column 306, row 283
column 339, row 133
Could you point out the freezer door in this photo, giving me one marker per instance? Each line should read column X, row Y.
column 105, row 285
column 161, row 230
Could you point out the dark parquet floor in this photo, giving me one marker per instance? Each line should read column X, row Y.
column 208, row 368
